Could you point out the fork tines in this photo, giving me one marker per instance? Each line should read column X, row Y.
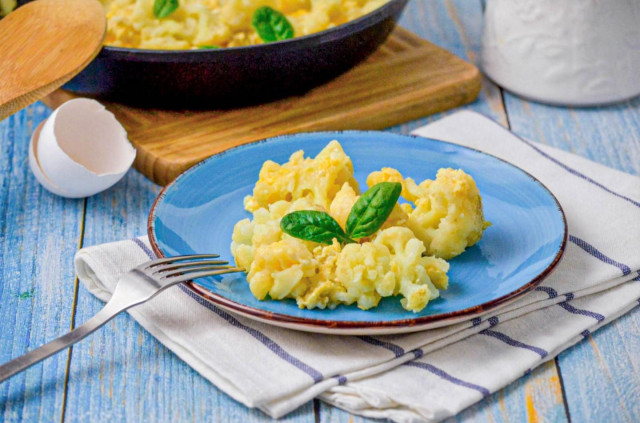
column 194, row 265
column 188, row 267
column 180, row 258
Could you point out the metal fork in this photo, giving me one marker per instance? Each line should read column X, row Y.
column 137, row 286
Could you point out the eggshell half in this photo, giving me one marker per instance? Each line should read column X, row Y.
column 35, row 166
column 81, row 150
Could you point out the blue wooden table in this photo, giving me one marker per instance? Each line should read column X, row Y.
column 122, row 373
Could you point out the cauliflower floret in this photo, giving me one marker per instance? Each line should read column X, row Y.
column 414, row 274
column 437, row 269
column 448, row 214
column 410, row 190
column 342, row 203
column 281, row 269
column 241, row 243
column 363, row 269
column 317, row 179
column 264, row 229
column 449, row 218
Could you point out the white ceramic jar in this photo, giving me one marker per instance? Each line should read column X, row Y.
column 566, row 52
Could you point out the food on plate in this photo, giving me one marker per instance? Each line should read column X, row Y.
column 315, row 238
column 193, row 24
column 317, row 179
column 447, row 215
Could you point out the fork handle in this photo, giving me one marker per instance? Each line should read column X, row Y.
column 108, row 312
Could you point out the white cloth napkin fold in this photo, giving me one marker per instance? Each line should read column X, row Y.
column 429, row 375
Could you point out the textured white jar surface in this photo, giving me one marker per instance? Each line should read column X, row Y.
column 569, row 52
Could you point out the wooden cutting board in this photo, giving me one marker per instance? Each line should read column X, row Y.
column 407, row 78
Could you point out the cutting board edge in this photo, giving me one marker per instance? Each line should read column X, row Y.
column 147, row 162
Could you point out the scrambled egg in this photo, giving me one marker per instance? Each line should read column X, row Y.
column 222, row 23
column 405, row 257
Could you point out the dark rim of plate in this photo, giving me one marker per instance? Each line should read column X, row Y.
column 336, row 32
column 346, row 324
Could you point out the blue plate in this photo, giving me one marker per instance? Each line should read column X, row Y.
column 197, row 212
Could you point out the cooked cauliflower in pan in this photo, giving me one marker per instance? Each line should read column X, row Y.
column 192, row 24
column 404, row 257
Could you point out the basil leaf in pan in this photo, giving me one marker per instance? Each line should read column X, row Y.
column 163, row 8
column 271, row 25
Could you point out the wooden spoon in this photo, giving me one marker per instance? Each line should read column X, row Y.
column 44, row 44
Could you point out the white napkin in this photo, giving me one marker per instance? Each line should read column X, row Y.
column 429, row 375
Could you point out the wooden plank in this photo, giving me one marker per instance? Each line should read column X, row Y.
column 39, row 234
column 533, row 398
column 608, row 135
column 414, row 79
column 601, row 375
column 122, row 373
column 455, row 26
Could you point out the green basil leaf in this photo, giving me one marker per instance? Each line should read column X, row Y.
column 271, row 25
column 314, row 226
column 163, row 8
column 371, row 210
column 209, row 47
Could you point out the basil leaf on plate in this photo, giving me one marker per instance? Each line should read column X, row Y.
column 163, row 8
column 271, row 25
column 312, row 225
column 372, row 209
column 209, row 47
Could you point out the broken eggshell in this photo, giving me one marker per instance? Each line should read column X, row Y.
column 80, row 150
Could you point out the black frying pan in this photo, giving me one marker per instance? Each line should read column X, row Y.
column 230, row 77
